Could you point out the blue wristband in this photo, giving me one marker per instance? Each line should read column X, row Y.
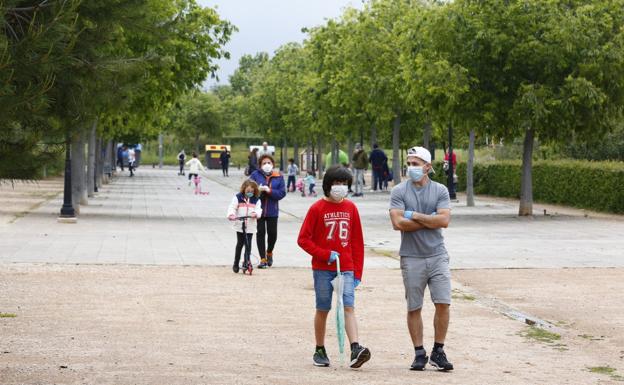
column 408, row 214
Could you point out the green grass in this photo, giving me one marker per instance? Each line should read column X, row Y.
column 541, row 335
column 7, row 315
column 602, row 370
column 386, row 253
column 463, row 296
column 607, row 371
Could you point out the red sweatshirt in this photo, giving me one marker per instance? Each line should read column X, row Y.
column 333, row 226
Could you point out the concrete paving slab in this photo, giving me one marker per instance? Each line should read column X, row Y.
column 148, row 218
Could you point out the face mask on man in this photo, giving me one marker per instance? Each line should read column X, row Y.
column 338, row 192
column 416, row 173
column 267, row 168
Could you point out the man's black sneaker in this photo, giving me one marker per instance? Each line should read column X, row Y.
column 263, row 264
column 359, row 356
column 320, row 357
column 269, row 259
column 419, row 362
column 438, row 359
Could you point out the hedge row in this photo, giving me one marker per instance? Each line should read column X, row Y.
column 590, row 185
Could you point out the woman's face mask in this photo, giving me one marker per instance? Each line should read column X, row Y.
column 267, row 168
column 339, row 191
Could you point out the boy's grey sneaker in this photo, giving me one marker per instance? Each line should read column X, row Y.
column 420, row 360
column 359, row 356
column 320, row 357
column 438, row 359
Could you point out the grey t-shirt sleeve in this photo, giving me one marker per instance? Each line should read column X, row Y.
column 444, row 201
column 396, row 198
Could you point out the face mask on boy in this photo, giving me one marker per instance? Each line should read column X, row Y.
column 338, row 192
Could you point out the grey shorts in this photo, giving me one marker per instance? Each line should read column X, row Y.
column 420, row 272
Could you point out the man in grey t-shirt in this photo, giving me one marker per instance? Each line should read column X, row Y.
column 420, row 208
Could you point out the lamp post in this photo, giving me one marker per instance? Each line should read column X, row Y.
column 68, row 213
column 449, row 180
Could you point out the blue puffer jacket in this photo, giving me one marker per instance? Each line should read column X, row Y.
column 270, row 200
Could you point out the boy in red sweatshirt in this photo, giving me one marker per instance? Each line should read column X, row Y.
column 332, row 230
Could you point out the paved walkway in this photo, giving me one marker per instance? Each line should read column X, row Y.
column 154, row 218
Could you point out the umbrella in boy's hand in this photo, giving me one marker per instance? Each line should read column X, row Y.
column 338, row 284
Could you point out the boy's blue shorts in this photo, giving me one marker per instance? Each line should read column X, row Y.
column 324, row 289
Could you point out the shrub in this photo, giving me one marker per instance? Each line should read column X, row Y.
column 583, row 184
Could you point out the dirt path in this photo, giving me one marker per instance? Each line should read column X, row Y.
column 204, row 325
column 20, row 197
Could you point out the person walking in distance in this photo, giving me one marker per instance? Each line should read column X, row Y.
column 131, row 161
column 195, row 166
column 224, row 159
column 377, row 160
column 292, row 171
column 360, row 163
column 420, row 209
column 181, row 158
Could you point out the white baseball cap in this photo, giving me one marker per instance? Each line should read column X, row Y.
column 419, row 152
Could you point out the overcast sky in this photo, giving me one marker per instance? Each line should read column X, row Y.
column 264, row 25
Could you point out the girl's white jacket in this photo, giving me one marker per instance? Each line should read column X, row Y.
column 195, row 165
column 244, row 209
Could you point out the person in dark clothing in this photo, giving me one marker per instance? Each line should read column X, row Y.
column 252, row 165
column 181, row 158
column 120, row 159
column 272, row 190
column 224, row 158
column 377, row 160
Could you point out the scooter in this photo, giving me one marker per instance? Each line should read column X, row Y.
column 247, row 266
column 198, row 191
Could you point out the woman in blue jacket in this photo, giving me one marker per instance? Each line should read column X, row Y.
column 272, row 190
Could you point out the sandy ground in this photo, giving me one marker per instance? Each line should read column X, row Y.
column 20, row 197
column 115, row 324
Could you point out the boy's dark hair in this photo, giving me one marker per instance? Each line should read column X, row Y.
column 194, row 154
column 336, row 173
column 265, row 156
column 291, row 160
column 375, row 145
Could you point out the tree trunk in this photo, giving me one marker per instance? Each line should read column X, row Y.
column 108, row 162
column 84, row 198
column 319, row 156
column 284, row 158
column 99, row 161
column 350, row 148
column 469, row 171
column 373, row 137
column 309, row 156
column 296, row 154
column 427, row 135
column 77, row 152
column 334, row 152
column 91, row 162
column 526, row 182
column 160, row 150
column 396, row 157
column 197, row 145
